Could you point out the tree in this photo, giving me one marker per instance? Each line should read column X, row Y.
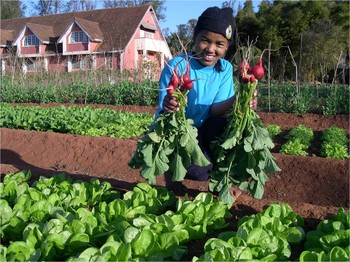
column 11, row 9
column 80, row 5
column 50, row 7
column 247, row 23
column 47, row 7
column 184, row 34
column 321, row 50
column 158, row 5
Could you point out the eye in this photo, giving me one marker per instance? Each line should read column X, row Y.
column 204, row 40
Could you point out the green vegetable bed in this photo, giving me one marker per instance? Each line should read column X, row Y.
column 62, row 219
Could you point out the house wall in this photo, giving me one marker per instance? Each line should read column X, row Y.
column 26, row 50
column 133, row 57
column 57, row 63
column 93, row 46
column 76, row 47
column 100, row 61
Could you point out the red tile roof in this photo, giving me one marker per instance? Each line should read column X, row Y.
column 115, row 26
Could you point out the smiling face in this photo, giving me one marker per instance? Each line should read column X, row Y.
column 210, row 47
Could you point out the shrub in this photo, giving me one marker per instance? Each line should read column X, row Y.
column 335, row 134
column 294, row 147
column 303, row 133
column 334, row 150
column 273, row 130
column 334, row 143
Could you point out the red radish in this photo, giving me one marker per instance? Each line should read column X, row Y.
column 186, row 78
column 252, row 79
column 175, row 79
column 258, row 70
column 170, row 90
column 244, row 67
column 244, row 77
column 188, row 85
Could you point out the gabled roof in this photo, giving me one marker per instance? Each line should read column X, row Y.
column 43, row 32
column 5, row 36
column 117, row 25
column 91, row 28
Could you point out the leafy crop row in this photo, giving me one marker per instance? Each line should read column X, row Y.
column 60, row 219
column 269, row 235
column 265, row 236
column 309, row 98
column 334, row 141
column 75, row 120
column 107, row 122
column 330, row 240
column 298, row 141
column 80, row 91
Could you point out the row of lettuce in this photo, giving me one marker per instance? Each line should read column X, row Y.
column 80, row 120
column 58, row 218
column 121, row 124
column 298, row 140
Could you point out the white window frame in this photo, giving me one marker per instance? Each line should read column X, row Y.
column 109, row 62
column 80, row 63
column 30, row 40
column 78, row 37
column 149, row 34
column 33, row 65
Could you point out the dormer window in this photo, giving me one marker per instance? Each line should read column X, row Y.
column 31, row 40
column 78, row 37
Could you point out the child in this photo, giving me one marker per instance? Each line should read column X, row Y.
column 213, row 93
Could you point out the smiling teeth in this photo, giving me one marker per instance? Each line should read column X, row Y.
column 209, row 57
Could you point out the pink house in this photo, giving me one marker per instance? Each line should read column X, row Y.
column 115, row 38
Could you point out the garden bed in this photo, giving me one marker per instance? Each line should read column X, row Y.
column 313, row 186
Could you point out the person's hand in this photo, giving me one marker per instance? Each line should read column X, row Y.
column 170, row 104
column 254, row 103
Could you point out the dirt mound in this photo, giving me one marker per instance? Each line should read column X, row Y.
column 315, row 187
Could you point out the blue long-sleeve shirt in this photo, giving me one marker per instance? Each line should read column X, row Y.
column 210, row 87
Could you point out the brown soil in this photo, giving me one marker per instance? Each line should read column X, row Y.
column 313, row 186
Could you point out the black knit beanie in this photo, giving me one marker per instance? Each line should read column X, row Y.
column 217, row 20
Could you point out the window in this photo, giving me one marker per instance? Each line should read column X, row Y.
column 149, row 34
column 31, row 40
column 109, row 62
column 78, row 37
column 33, row 65
column 81, row 63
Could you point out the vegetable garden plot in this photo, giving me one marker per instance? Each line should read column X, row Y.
column 315, row 187
column 59, row 218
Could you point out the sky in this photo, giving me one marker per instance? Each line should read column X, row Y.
column 181, row 11
column 177, row 11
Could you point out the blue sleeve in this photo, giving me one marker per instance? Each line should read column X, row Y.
column 226, row 89
column 163, row 84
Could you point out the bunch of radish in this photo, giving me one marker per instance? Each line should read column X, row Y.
column 170, row 144
column 248, row 74
column 181, row 82
column 242, row 153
